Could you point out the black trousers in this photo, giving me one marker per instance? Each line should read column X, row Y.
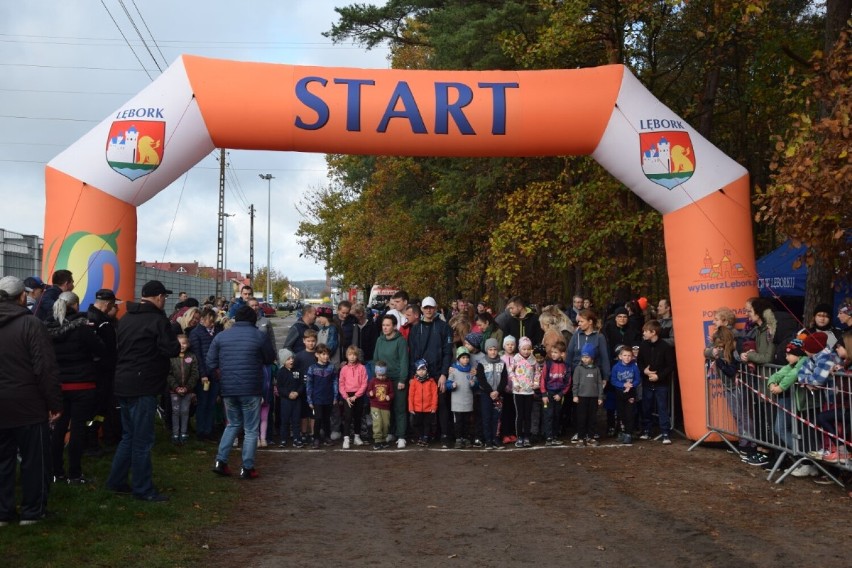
column 587, row 415
column 322, row 420
column 33, row 442
column 78, row 407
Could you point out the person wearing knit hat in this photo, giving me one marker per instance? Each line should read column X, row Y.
column 473, row 341
column 815, row 342
column 380, row 390
column 821, row 321
column 525, row 375
column 507, row 416
column 290, row 388
column 844, row 314
column 779, row 384
column 588, row 394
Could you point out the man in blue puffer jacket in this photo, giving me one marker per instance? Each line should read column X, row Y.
column 240, row 354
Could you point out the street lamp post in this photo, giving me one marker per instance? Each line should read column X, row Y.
column 268, row 178
column 225, row 255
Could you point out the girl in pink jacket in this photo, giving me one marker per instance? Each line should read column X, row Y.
column 352, row 384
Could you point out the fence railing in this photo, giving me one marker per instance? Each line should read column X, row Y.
column 807, row 424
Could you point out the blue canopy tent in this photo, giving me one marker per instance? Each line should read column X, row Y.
column 777, row 277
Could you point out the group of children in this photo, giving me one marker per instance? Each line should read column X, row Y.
column 533, row 381
column 812, row 388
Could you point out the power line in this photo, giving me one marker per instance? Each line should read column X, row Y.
column 165, row 61
column 139, row 33
column 125, row 40
column 77, row 67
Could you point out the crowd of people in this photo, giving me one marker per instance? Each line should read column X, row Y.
column 460, row 377
column 810, row 383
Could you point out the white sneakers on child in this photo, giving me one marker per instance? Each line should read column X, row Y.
column 400, row 444
column 358, row 441
column 346, row 443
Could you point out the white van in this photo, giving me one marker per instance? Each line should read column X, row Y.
column 379, row 296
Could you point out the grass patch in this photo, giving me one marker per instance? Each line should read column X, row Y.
column 90, row 526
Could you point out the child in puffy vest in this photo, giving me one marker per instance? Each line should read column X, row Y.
column 460, row 385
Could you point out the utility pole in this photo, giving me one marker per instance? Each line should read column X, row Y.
column 251, row 245
column 221, row 231
column 268, row 178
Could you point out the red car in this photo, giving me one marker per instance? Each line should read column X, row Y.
column 268, row 310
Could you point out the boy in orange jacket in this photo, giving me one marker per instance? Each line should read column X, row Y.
column 422, row 402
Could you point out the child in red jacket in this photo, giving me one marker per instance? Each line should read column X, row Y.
column 422, row 402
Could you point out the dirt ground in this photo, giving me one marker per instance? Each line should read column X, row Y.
column 642, row 505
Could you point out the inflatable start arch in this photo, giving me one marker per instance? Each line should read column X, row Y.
column 199, row 104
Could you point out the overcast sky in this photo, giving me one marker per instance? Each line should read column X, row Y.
column 64, row 67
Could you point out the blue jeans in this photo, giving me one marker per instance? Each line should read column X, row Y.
column 660, row 394
column 133, row 454
column 784, row 421
column 243, row 413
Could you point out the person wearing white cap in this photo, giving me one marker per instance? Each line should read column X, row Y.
column 431, row 339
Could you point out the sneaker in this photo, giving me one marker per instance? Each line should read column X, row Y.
column 627, row 439
column 458, row 445
column 836, row 456
column 390, row 439
column 645, row 435
column 248, row 473
column 478, row 443
column 497, row 446
column 610, row 432
column 548, row 442
column 175, row 440
column 377, row 446
column 283, row 444
column 221, row 468
column 519, row 444
column 328, row 442
column 594, row 442
column 298, row 444
column 315, row 444
column 575, row 438
column 60, row 479
column 586, row 441
column 757, row 458
column 597, row 436
column 805, row 470
column 401, row 443
column 184, row 438
column 527, row 443
column 262, row 443
column 336, row 435
column 445, row 444
column 236, row 443
column 77, row 480
column 823, row 480
column 667, row 440
column 346, row 443
column 4, row 523
column 818, row 454
column 557, row 442
column 423, row 443
column 27, row 522
column 620, row 437
column 507, row 439
column 358, row 441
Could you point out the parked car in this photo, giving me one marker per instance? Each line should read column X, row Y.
column 268, row 310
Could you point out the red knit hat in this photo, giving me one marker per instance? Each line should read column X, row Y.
column 815, row 342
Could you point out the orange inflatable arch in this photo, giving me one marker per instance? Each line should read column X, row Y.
column 199, row 104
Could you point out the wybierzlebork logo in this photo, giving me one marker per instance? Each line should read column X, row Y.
column 668, row 158
column 134, row 147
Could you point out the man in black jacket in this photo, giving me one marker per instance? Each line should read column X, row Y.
column 30, row 398
column 432, row 339
column 146, row 342
column 99, row 315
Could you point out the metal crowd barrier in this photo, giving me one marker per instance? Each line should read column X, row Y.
column 808, row 425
